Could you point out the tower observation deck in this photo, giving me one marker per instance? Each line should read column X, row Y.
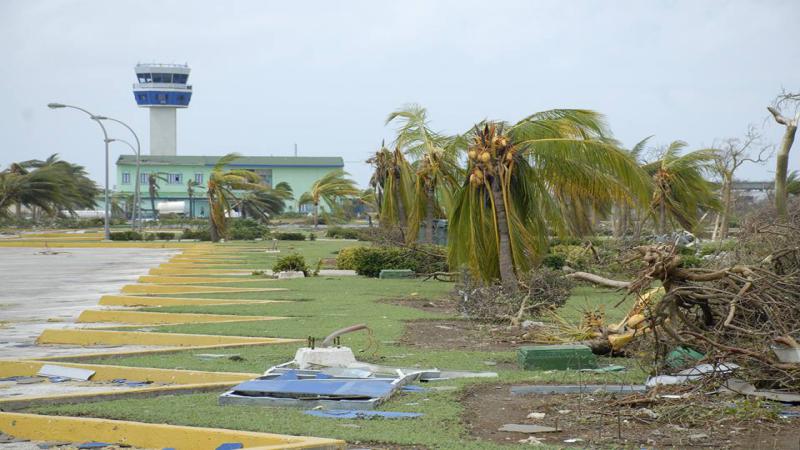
column 163, row 89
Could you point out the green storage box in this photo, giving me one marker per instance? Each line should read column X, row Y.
column 556, row 357
column 396, row 273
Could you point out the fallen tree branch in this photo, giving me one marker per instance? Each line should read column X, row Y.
column 597, row 279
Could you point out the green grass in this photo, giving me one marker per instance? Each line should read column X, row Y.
column 317, row 306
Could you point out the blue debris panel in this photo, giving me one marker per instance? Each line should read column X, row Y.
column 355, row 414
column 310, row 389
column 317, row 389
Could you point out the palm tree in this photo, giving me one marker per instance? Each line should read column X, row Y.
column 393, row 183
column 623, row 209
column 793, row 183
column 37, row 189
column 50, row 186
column 331, row 188
column 152, row 190
column 221, row 192
column 436, row 168
column 503, row 211
column 263, row 204
column 191, row 185
column 680, row 188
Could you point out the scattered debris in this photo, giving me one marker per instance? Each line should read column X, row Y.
column 71, row 373
column 536, row 415
column 531, row 440
column 577, row 389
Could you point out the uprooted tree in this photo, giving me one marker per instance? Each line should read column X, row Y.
column 737, row 313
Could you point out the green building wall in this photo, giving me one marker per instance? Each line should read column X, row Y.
column 299, row 172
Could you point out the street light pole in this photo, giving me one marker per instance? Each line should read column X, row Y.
column 136, row 194
column 106, row 227
column 137, row 185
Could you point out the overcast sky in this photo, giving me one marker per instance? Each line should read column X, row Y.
column 325, row 74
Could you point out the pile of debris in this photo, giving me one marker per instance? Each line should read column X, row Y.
column 330, row 378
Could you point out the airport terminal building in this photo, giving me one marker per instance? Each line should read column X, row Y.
column 174, row 172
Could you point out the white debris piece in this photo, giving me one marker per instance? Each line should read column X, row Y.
column 307, row 358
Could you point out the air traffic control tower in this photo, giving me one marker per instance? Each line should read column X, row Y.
column 163, row 89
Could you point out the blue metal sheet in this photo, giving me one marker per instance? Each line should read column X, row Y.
column 330, row 388
column 357, row 414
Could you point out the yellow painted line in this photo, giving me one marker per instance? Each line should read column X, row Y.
column 109, row 373
column 22, row 402
column 145, row 435
column 204, row 265
column 181, row 271
column 158, row 318
column 157, row 279
column 162, row 289
column 91, row 244
column 87, row 337
column 135, row 300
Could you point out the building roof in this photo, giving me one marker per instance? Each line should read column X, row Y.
column 244, row 161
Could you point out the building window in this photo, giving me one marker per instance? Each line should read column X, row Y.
column 266, row 176
column 143, row 178
column 174, row 178
column 162, row 98
column 198, row 178
column 126, row 178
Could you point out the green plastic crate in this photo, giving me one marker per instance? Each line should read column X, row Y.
column 556, row 357
column 396, row 273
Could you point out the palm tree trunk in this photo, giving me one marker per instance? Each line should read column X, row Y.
column 715, row 233
column 316, row 215
column 429, row 216
column 662, row 218
column 505, row 260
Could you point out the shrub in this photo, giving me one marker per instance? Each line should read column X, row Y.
column 291, row 262
column 343, row 233
column 312, row 236
column 554, row 261
column 165, row 235
column 289, row 236
column 346, row 258
column 247, row 229
column 575, row 256
column 689, row 261
column 200, row 235
column 369, row 261
column 129, row 235
column 150, row 237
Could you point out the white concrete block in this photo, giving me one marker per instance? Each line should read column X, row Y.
column 307, row 358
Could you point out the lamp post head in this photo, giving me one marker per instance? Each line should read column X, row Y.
column 56, row 105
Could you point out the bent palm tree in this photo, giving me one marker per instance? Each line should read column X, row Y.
column 499, row 224
column 393, row 183
column 680, row 188
column 191, row 185
column 222, row 197
column 332, row 187
column 436, row 168
column 152, row 190
column 263, row 204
